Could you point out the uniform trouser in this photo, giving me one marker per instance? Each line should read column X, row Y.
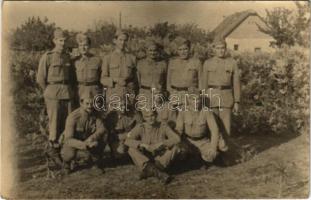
column 140, row 158
column 178, row 96
column 116, row 143
column 69, row 153
column 223, row 117
column 57, row 110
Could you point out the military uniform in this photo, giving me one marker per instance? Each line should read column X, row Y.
column 55, row 77
column 88, row 70
column 151, row 74
column 119, row 125
column 152, row 135
column 221, row 79
column 118, row 71
column 200, row 130
column 182, row 74
column 80, row 127
column 167, row 115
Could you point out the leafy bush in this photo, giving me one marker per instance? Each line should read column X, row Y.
column 28, row 98
column 275, row 92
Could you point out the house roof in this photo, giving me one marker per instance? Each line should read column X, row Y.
column 230, row 23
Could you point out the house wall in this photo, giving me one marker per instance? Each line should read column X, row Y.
column 248, row 37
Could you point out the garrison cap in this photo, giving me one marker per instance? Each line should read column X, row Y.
column 58, row 33
column 82, row 38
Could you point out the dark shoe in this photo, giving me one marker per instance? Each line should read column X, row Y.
column 153, row 170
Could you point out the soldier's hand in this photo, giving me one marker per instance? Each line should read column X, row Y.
column 158, row 147
column 211, row 153
column 236, row 108
column 91, row 144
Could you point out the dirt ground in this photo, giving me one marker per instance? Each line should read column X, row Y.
column 274, row 167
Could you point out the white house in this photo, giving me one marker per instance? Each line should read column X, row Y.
column 240, row 31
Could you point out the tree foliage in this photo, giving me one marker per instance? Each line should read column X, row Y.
column 288, row 27
column 34, row 35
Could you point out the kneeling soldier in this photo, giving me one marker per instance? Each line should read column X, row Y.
column 84, row 136
column 152, row 147
column 120, row 123
column 199, row 128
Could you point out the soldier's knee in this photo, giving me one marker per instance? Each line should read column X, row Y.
column 68, row 153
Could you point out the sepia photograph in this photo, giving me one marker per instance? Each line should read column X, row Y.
column 155, row 99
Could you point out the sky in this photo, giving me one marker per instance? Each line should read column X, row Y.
column 79, row 16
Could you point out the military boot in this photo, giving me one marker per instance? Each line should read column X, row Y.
column 152, row 170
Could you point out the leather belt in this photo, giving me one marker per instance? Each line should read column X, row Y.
column 196, row 138
column 145, row 87
column 179, row 88
column 58, row 82
column 89, row 83
column 220, row 87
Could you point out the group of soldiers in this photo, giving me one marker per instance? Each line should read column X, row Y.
column 153, row 138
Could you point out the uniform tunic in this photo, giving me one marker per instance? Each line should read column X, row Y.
column 88, row 70
column 144, row 134
column 221, row 81
column 181, row 75
column 201, row 130
column 116, row 66
column 55, row 77
column 81, row 126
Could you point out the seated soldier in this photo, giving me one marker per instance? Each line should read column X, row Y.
column 199, row 128
column 165, row 114
column 119, row 123
column 84, row 137
column 152, row 147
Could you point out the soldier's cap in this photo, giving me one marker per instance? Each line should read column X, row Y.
column 82, row 38
column 148, row 113
column 219, row 41
column 182, row 41
column 58, row 33
column 86, row 95
column 120, row 32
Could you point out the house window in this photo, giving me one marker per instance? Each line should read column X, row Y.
column 236, row 47
column 257, row 49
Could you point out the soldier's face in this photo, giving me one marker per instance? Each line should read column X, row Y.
column 87, row 105
column 152, row 52
column 220, row 50
column 59, row 43
column 84, row 48
column 121, row 41
column 150, row 119
column 184, row 51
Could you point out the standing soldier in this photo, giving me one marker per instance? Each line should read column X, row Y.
column 88, row 67
column 183, row 71
column 54, row 76
column 221, row 81
column 152, row 147
column 199, row 128
column 85, row 135
column 151, row 71
column 118, row 68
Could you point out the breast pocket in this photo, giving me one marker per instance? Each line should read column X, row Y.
column 114, row 70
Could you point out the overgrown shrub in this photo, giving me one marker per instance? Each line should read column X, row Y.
column 275, row 92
